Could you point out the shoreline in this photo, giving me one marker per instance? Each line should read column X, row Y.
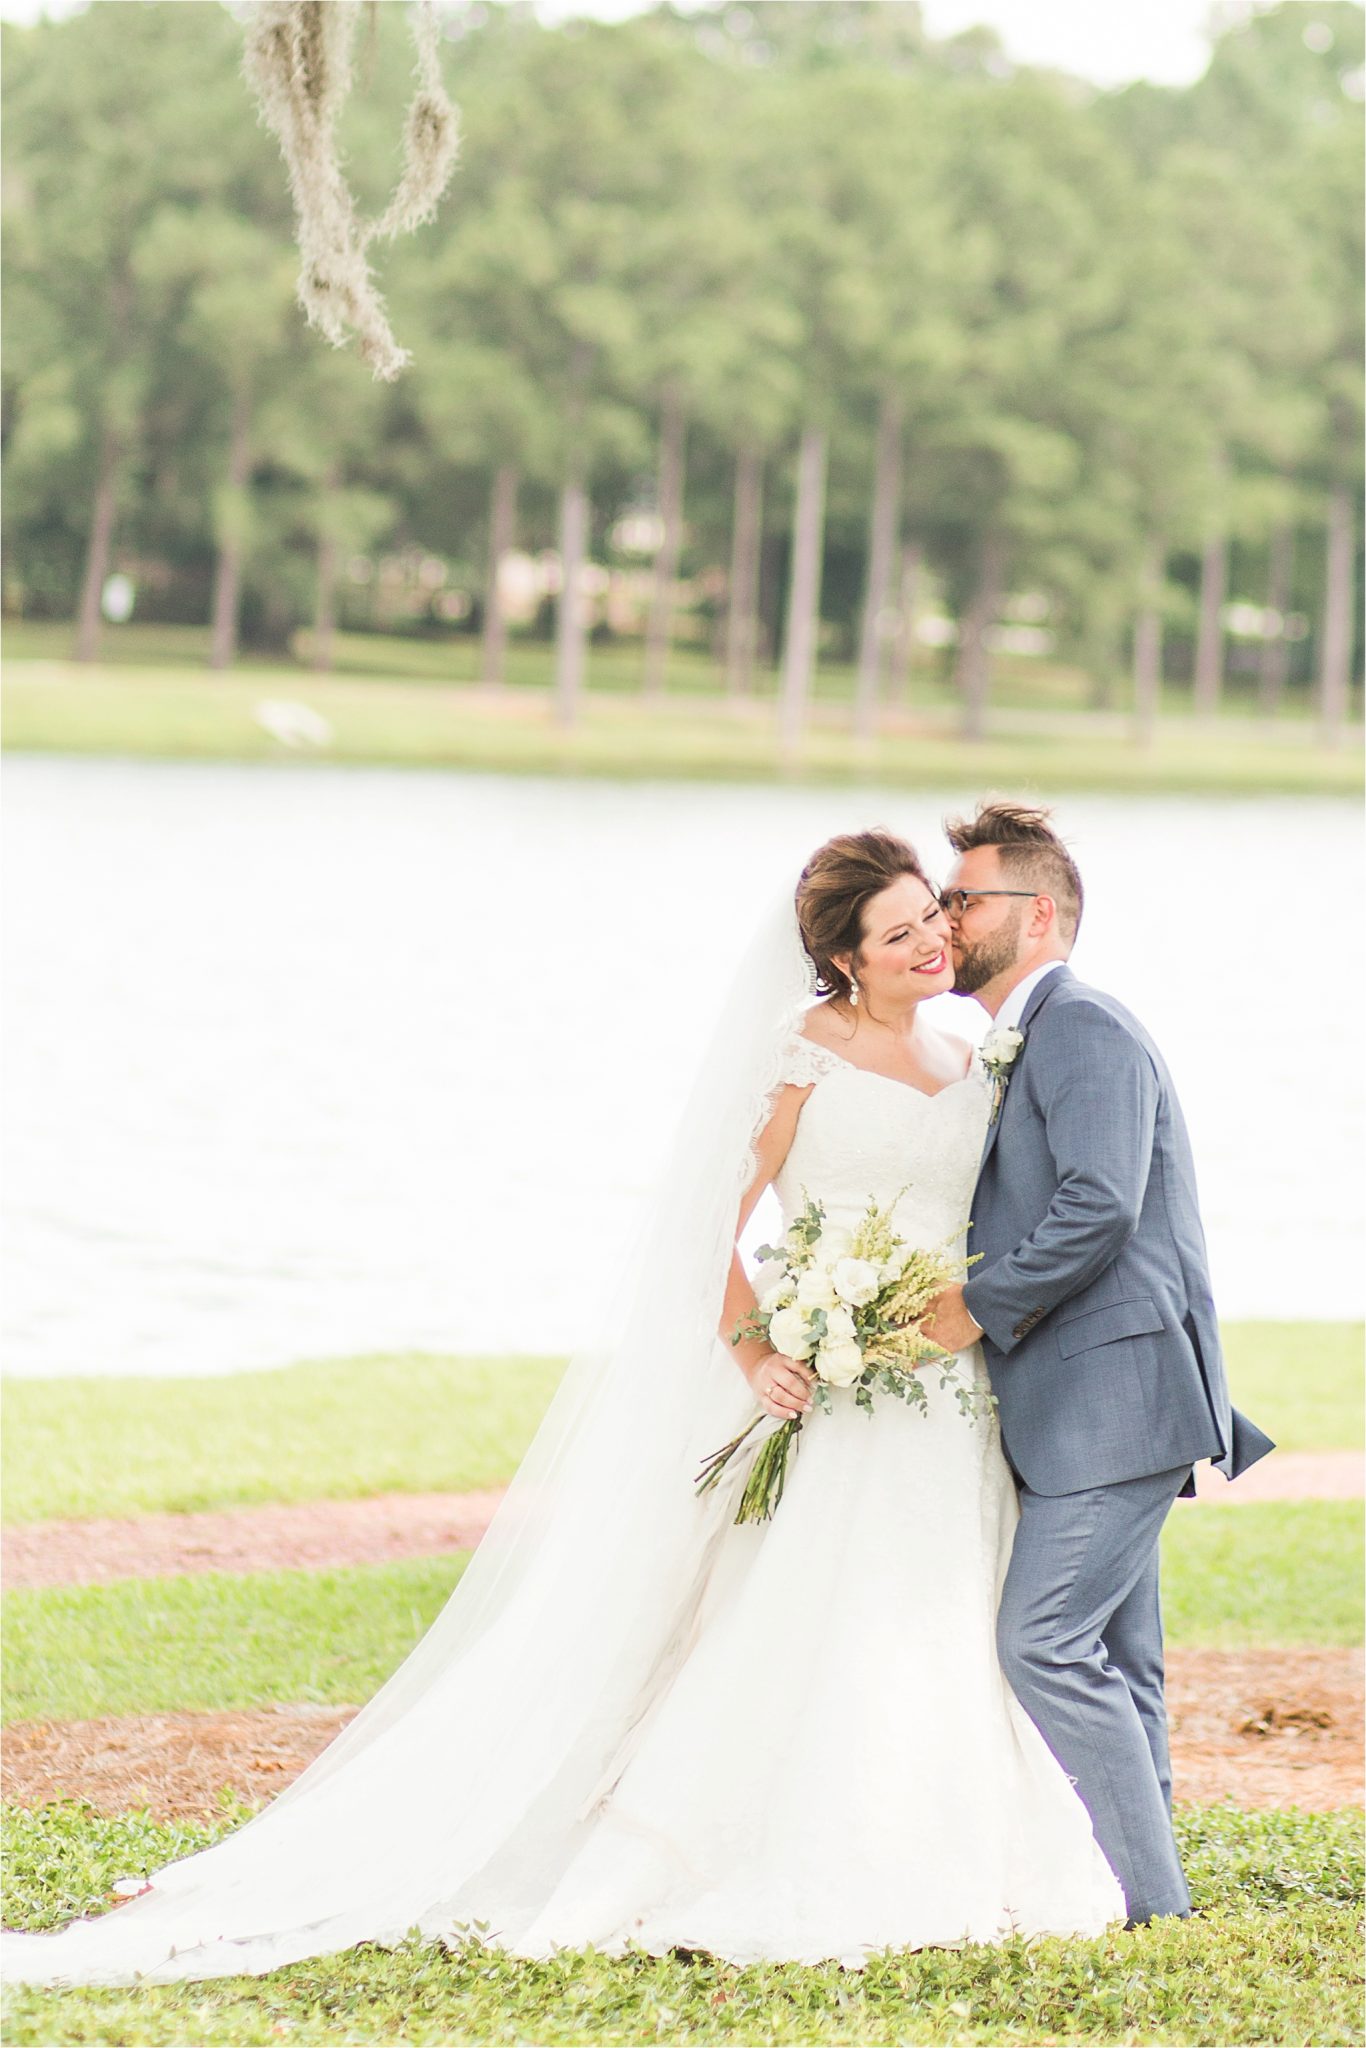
column 54, row 710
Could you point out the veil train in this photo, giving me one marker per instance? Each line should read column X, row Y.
column 460, row 1792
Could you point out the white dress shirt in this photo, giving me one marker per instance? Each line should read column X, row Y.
column 1009, row 1015
column 1013, row 1008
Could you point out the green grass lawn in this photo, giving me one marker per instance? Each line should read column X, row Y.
column 1302, row 1381
column 1280, row 1573
column 181, row 712
column 1275, row 1958
column 330, row 1431
column 350, row 1427
column 215, row 1639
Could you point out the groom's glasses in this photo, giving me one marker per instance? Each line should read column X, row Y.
column 953, row 902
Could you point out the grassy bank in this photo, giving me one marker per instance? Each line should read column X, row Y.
column 345, row 1428
column 1028, row 683
column 182, row 713
column 1274, row 1958
column 331, row 1431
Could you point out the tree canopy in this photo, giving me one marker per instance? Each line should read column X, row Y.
column 1100, row 347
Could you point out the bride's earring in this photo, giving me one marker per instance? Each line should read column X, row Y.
column 853, row 993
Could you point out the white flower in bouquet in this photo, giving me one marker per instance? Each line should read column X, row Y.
column 833, row 1244
column 839, row 1323
column 790, row 1333
column 857, row 1281
column 840, row 1363
column 773, row 1288
column 815, row 1288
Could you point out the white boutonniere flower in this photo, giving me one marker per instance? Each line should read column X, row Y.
column 998, row 1053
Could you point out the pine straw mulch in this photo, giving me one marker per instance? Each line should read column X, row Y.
column 1264, row 1728
column 329, row 1534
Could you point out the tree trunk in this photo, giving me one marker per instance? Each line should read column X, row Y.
column 1104, row 650
column 1148, row 647
column 325, row 605
column 804, row 591
column 902, row 647
column 882, row 525
column 742, row 616
column 774, row 550
column 659, row 630
column 972, row 669
column 97, row 547
column 1209, row 644
column 227, row 575
column 502, row 527
column 570, row 622
column 1274, row 668
column 1335, row 641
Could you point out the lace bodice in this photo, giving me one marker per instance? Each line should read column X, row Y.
column 863, row 1137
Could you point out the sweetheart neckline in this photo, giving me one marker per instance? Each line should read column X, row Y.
column 891, row 1080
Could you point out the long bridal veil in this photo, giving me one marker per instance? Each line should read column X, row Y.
column 460, row 1792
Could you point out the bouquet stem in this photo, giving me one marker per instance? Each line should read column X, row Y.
column 768, row 1475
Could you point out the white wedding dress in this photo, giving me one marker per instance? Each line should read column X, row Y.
column 838, row 1765
column 636, row 1723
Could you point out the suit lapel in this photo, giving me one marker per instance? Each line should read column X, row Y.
column 1038, row 996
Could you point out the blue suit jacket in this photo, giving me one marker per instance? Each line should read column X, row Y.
column 1093, row 1287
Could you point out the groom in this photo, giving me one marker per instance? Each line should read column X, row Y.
column 1092, row 1302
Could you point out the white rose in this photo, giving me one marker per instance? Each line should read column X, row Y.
column 790, row 1333
column 840, row 1363
column 856, row 1280
column 815, row 1289
column 1000, row 1046
column 832, row 1244
column 770, row 1282
column 839, row 1324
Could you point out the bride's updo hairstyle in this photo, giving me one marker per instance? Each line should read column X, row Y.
column 837, row 882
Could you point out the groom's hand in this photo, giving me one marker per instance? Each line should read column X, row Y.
column 946, row 1321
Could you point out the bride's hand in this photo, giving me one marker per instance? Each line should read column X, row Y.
column 781, row 1385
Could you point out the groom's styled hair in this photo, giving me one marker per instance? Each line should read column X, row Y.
column 1030, row 850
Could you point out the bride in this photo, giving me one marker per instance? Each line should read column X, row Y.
column 637, row 1723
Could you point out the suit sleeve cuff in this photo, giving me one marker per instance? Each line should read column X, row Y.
column 992, row 1318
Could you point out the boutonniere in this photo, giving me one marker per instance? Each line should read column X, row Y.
column 998, row 1053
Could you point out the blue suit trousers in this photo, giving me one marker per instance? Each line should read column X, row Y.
column 1080, row 1637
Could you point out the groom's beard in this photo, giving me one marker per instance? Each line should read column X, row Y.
column 975, row 966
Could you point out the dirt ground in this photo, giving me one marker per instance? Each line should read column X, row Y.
column 314, row 1535
column 326, row 1534
column 1264, row 1728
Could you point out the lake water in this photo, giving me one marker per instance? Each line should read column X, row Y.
column 308, row 1062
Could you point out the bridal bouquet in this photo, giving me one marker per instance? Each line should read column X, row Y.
column 847, row 1303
